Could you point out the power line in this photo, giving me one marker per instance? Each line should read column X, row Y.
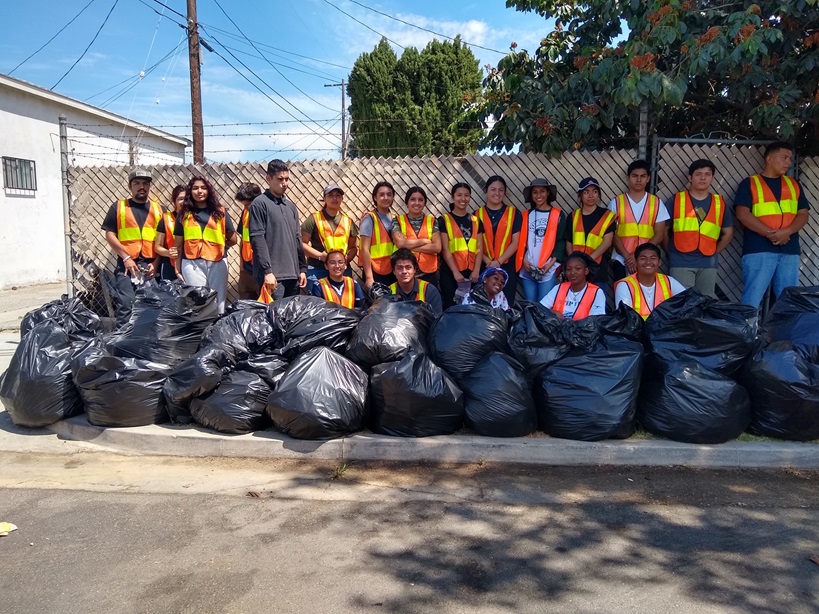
column 261, row 56
column 166, row 7
column 364, row 24
column 102, row 25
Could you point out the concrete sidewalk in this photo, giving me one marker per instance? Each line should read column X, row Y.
column 16, row 303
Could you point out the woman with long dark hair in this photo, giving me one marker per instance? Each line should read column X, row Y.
column 376, row 241
column 501, row 225
column 461, row 244
column 164, row 244
column 417, row 232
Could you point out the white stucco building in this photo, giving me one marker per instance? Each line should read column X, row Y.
column 32, row 248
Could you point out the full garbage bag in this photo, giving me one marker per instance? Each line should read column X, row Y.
column 166, row 324
column 69, row 313
column 464, row 335
column 195, row 377
column 498, row 399
column 687, row 401
column 794, row 317
column 389, row 331
column 414, row 397
column 37, row 389
column 536, row 337
column 120, row 392
column 236, row 406
column 242, row 331
column 301, row 323
column 270, row 367
column 321, row 396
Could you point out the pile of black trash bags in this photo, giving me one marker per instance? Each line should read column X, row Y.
column 695, row 371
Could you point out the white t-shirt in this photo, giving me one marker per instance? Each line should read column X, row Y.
column 538, row 220
column 637, row 208
column 573, row 300
column 622, row 293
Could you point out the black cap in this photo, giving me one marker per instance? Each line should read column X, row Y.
column 585, row 183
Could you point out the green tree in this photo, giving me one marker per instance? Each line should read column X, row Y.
column 747, row 69
column 414, row 105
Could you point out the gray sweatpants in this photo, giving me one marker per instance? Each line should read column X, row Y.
column 212, row 275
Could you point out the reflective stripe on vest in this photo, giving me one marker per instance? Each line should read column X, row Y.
column 247, row 248
column 138, row 241
column 588, row 243
column 586, row 303
column 495, row 244
column 462, row 251
column 662, row 292
column 632, row 232
column 689, row 233
column 428, row 263
column 381, row 246
column 170, row 226
column 337, row 239
column 549, row 239
column 422, row 290
column 775, row 214
column 347, row 298
column 207, row 244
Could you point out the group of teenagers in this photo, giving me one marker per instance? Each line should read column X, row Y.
column 567, row 262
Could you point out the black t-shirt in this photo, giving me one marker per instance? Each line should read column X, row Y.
column 590, row 220
column 464, row 222
column 203, row 217
column 495, row 218
column 109, row 224
column 754, row 243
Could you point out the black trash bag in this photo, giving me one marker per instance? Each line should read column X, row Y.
column 377, row 291
column 591, row 395
column 37, row 389
column 464, row 335
column 166, row 324
column 498, row 399
column 270, row 367
column 69, row 313
column 120, row 392
column 536, row 337
column 195, row 377
column 243, row 330
column 236, row 406
column 301, row 323
column 783, row 383
column 389, row 331
column 624, row 322
column 414, row 397
column 323, row 395
column 794, row 317
column 692, row 403
column 716, row 334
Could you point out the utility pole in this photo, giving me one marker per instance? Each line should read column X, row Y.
column 343, row 86
column 196, row 88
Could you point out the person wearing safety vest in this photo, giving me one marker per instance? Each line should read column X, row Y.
column 702, row 226
column 336, row 286
column 641, row 218
column 773, row 208
column 489, row 289
column 419, row 233
column 248, row 287
column 202, row 233
column 407, row 287
column 130, row 228
column 501, row 226
column 590, row 230
column 647, row 288
column 576, row 298
column 164, row 244
column 325, row 230
column 541, row 247
column 461, row 246
column 376, row 241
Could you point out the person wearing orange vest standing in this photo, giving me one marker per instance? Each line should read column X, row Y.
column 461, row 245
column 419, row 233
column 645, row 289
column 408, row 287
column 641, row 218
column 501, row 226
column 376, row 241
column 338, row 287
column 202, row 233
column 773, row 209
column 702, row 226
column 541, row 247
column 248, row 287
column 590, row 230
column 576, row 298
column 130, row 230
column 325, row 230
column 164, row 243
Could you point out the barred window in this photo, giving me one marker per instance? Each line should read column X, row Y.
column 19, row 174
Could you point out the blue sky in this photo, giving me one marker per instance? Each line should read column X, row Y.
column 309, row 42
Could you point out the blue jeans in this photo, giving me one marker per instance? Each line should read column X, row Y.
column 536, row 291
column 758, row 270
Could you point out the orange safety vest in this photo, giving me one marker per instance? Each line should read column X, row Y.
column 381, row 246
column 207, row 244
column 495, row 244
column 775, row 214
column 462, row 251
column 689, row 233
column 138, row 241
column 247, row 248
column 632, row 232
column 588, row 243
column 662, row 292
column 584, row 308
column 428, row 263
column 170, row 225
column 549, row 239
column 422, row 290
column 333, row 239
column 347, row 298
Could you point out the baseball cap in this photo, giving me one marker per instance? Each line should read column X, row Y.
column 331, row 187
column 585, row 183
column 139, row 173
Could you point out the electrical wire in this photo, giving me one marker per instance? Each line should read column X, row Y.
column 364, row 24
column 102, row 25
